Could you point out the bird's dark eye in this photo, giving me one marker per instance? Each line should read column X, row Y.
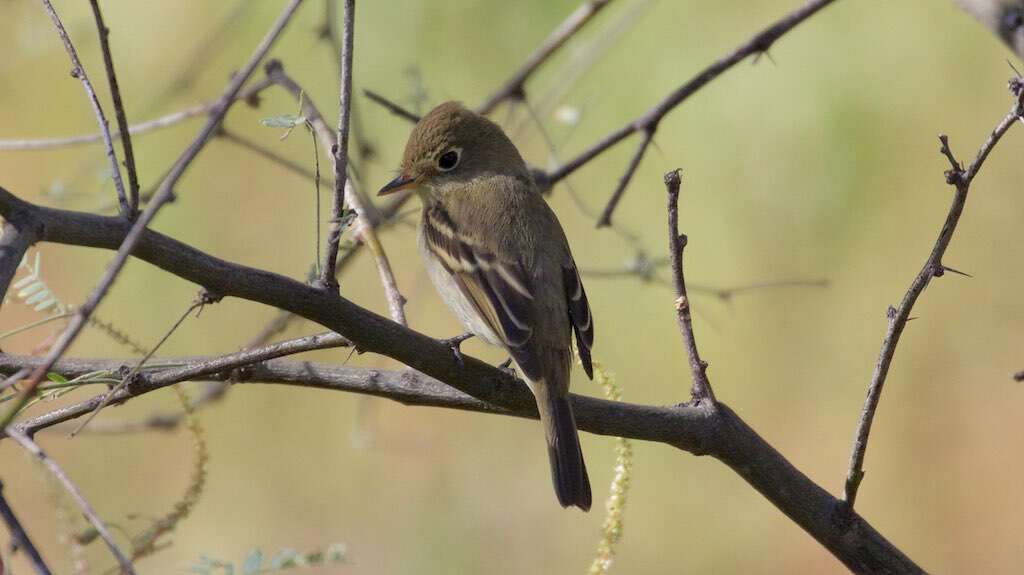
column 448, row 160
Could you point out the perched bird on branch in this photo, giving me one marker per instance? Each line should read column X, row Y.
column 498, row 257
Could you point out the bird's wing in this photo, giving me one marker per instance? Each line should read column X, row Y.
column 579, row 315
column 499, row 290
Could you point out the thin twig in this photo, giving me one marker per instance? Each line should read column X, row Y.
column 199, row 302
column 266, row 153
column 634, row 163
column 340, row 152
column 119, row 113
column 648, row 122
column 19, row 538
column 391, row 106
column 87, row 510
column 78, row 71
column 961, row 179
column 163, row 195
column 701, row 390
column 515, row 86
column 166, row 121
column 366, row 228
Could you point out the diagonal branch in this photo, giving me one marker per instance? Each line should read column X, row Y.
column 26, row 442
column 19, row 538
column 701, row 390
column 718, row 432
column 648, row 122
column 78, row 71
column 366, row 230
column 515, row 86
column 16, row 235
column 961, row 179
column 119, row 113
column 164, row 194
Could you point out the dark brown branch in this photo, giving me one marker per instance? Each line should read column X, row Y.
column 695, row 428
column 119, row 113
column 16, row 235
column 340, row 150
column 19, row 538
column 515, row 86
column 78, row 71
column 698, row 429
column 648, row 122
column 606, row 214
column 163, row 194
column 701, row 390
column 1019, row 376
column 391, row 106
column 961, row 179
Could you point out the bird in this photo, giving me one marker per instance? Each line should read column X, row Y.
column 499, row 258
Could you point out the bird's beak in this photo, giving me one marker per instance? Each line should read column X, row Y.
column 401, row 182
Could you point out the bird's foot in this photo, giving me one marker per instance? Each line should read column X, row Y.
column 455, row 344
column 506, row 366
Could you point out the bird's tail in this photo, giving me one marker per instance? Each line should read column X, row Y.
column 568, row 471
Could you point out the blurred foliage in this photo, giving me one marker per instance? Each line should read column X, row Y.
column 818, row 162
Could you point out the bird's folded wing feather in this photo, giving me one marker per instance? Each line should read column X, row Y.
column 499, row 290
column 579, row 314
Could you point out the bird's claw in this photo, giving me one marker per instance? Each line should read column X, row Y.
column 455, row 343
column 506, row 366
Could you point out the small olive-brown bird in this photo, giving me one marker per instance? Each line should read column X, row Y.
column 499, row 258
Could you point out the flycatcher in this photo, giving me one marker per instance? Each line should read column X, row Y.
column 499, row 258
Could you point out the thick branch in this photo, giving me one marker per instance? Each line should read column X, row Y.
column 696, row 428
column 961, row 179
column 17, row 234
column 514, row 87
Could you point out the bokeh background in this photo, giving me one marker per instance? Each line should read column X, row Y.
column 820, row 162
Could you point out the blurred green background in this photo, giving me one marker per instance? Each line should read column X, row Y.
column 820, row 162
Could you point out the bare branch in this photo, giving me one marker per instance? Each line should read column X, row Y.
column 701, row 390
column 166, row 121
column 119, row 113
column 340, row 153
column 515, row 86
column 606, row 214
column 19, row 538
column 648, row 122
column 391, row 106
column 361, row 205
column 87, row 510
column 163, row 194
column 78, row 71
column 698, row 429
column 16, row 235
column 961, row 179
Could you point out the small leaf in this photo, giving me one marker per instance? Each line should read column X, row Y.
column 287, row 558
column 283, row 121
column 56, row 377
column 337, row 553
column 31, row 289
column 253, row 562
